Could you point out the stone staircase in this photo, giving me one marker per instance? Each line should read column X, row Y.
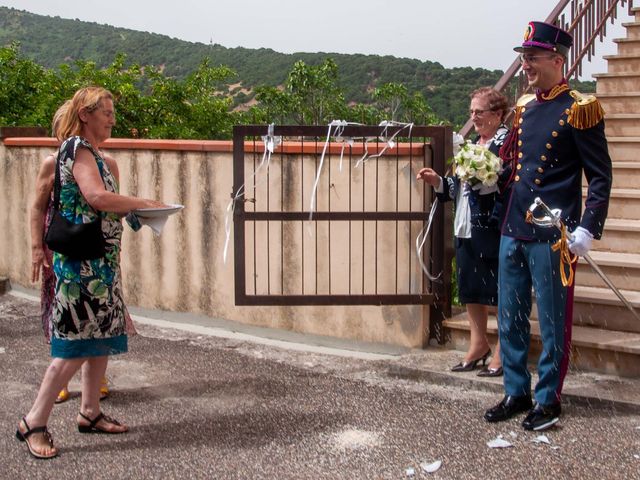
column 606, row 336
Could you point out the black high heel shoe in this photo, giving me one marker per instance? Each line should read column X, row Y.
column 472, row 364
column 490, row 372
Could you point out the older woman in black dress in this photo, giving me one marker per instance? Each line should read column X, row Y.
column 477, row 233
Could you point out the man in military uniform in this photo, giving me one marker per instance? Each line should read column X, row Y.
column 558, row 134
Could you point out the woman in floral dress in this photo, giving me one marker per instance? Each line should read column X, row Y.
column 42, row 257
column 89, row 315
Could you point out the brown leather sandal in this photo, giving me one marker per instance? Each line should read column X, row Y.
column 24, row 437
column 93, row 424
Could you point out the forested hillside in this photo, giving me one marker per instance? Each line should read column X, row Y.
column 52, row 41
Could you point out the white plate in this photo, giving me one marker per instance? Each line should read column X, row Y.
column 157, row 212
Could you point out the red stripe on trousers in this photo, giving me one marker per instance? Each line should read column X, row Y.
column 568, row 323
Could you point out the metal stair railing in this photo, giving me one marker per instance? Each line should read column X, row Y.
column 587, row 21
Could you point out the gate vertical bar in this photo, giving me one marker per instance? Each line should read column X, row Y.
column 441, row 243
column 238, row 214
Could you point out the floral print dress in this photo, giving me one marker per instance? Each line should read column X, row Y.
column 48, row 287
column 89, row 312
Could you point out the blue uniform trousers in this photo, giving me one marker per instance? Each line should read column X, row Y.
column 523, row 265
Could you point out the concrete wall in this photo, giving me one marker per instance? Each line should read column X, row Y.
column 183, row 270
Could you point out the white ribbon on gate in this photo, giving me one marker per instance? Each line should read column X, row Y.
column 390, row 142
column 346, row 141
column 421, row 239
column 338, row 125
column 271, row 142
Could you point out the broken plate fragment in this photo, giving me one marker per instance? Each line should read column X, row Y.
column 431, row 467
column 499, row 442
column 541, row 439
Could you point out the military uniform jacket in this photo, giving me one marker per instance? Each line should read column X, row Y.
column 552, row 155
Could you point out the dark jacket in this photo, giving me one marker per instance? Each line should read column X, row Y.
column 485, row 210
column 552, row 155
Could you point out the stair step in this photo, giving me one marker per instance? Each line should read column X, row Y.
column 624, row 203
column 633, row 29
column 599, row 307
column 617, row 82
column 618, row 94
column 627, row 46
column 604, row 296
column 623, row 269
column 622, row 63
column 623, row 124
column 620, row 102
column 624, row 148
column 593, row 349
column 626, row 174
column 620, row 235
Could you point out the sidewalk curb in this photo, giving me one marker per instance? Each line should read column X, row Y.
column 5, row 285
column 569, row 398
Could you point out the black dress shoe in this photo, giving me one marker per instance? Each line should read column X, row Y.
column 471, row 365
column 508, row 407
column 542, row 417
column 490, row 372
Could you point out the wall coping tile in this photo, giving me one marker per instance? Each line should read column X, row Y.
column 288, row 147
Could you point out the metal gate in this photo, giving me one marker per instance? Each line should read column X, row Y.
column 345, row 236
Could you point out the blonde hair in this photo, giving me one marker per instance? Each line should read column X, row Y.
column 57, row 117
column 68, row 115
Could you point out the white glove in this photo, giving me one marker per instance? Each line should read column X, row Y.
column 581, row 243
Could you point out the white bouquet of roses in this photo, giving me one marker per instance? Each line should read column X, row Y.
column 476, row 165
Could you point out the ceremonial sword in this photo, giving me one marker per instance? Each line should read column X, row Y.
column 552, row 219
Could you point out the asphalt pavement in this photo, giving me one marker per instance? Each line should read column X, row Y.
column 207, row 399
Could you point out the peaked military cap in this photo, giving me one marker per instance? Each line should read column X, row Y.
column 546, row 36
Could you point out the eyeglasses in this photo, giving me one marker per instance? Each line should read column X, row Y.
column 478, row 112
column 526, row 57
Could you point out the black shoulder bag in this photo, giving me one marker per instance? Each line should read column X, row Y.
column 81, row 241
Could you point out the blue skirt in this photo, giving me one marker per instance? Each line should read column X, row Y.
column 91, row 347
column 477, row 273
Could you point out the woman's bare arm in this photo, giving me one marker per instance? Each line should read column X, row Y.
column 87, row 175
column 44, row 186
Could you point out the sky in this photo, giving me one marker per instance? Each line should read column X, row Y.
column 476, row 33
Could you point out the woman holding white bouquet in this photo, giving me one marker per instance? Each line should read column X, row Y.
column 473, row 187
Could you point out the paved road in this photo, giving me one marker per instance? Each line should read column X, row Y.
column 202, row 406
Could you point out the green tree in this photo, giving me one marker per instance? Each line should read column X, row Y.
column 418, row 111
column 199, row 105
column 209, row 105
column 390, row 98
column 23, row 85
column 277, row 105
column 316, row 96
column 364, row 114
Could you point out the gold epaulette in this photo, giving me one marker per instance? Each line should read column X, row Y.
column 520, row 104
column 524, row 99
column 586, row 111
